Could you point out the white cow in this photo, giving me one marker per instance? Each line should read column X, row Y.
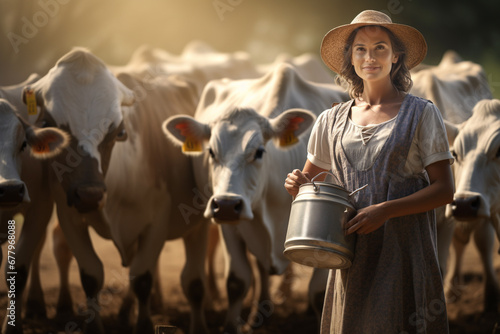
column 19, row 130
column 455, row 86
column 150, row 182
column 476, row 204
column 198, row 63
column 164, row 85
column 15, row 135
column 81, row 96
column 308, row 65
column 247, row 135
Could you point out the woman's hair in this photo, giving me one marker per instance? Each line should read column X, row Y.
column 400, row 74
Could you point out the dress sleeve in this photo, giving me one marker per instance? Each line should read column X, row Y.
column 432, row 140
column 318, row 148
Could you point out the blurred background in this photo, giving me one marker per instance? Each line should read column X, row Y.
column 35, row 33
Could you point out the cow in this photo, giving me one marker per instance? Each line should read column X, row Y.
column 455, row 86
column 80, row 96
column 245, row 136
column 16, row 134
column 21, row 140
column 476, row 205
column 154, row 76
column 164, row 196
column 161, row 177
column 308, row 65
column 19, row 130
column 198, row 63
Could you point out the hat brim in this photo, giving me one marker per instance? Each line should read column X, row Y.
column 333, row 44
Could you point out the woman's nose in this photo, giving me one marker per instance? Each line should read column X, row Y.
column 370, row 56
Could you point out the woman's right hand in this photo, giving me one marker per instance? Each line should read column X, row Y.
column 294, row 180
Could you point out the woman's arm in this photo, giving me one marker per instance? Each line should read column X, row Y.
column 297, row 177
column 439, row 192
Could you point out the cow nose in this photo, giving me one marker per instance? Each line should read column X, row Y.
column 466, row 208
column 11, row 194
column 89, row 198
column 227, row 208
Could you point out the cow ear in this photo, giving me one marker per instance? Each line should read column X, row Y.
column 187, row 132
column 451, row 132
column 288, row 126
column 45, row 142
column 127, row 95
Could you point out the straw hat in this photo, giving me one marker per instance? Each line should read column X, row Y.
column 333, row 45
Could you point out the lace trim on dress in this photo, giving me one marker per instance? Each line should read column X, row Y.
column 366, row 132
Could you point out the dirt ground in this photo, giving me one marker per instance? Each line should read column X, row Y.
column 289, row 316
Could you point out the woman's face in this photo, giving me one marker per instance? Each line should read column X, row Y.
column 372, row 55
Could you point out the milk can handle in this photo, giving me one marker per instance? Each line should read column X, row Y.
column 315, row 187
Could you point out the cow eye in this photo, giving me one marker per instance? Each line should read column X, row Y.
column 259, row 153
column 212, row 154
column 454, row 155
column 498, row 153
column 122, row 135
column 23, row 146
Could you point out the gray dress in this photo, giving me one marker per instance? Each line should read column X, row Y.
column 394, row 284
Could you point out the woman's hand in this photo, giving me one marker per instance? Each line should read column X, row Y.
column 367, row 220
column 294, row 180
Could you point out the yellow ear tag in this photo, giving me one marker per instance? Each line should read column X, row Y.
column 288, row 137
column 191, row 145
column 31, row 102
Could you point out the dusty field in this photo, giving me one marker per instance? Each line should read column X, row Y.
column 289, row 316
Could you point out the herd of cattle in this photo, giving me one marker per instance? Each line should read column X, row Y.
column 166, row 145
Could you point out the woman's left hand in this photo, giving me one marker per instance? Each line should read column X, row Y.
column 367, row 220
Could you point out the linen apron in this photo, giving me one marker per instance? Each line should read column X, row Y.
column 394, row 284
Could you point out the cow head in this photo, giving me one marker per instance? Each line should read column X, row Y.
column 476, row 147
column 16, row 135
column 237, row 148
column 80, row 96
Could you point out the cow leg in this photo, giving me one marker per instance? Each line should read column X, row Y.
column 213, row 241
column 261, row 312
column 157, row 299
column 495, row 220
column 32, row 234
column 316, row 291
column 484, row 238
column 238, row 278
column 461, row 237
column 127, row 306
column 90, row 266
column 445, row 228
column 63, row 255
column 193, row 276
column 142, row 270
column 285, row 287
column 35, row 303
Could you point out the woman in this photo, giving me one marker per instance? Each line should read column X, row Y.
column 396, row 143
